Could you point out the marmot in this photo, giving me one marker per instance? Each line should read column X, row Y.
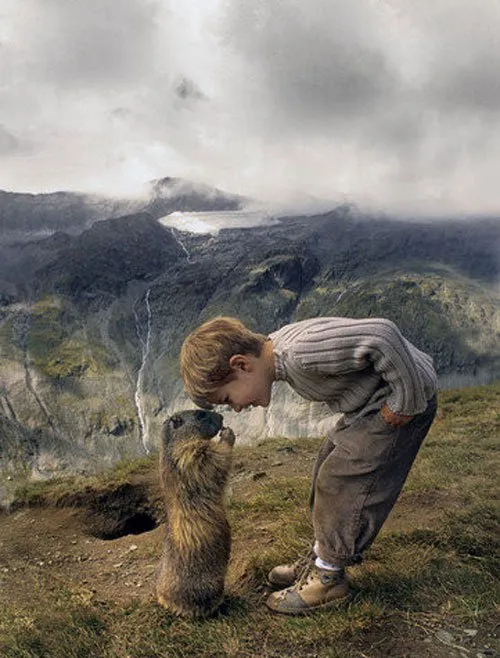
column 194, row 469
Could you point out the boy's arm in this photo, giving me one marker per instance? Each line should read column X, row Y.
column 345, row 345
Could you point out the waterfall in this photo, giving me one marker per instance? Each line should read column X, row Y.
column 181, row 244
column 146, row 344
column 23, row 323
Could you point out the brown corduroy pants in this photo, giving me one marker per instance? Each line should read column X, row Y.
column 357, row 478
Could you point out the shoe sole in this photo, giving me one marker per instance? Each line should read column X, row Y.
column 330, row 605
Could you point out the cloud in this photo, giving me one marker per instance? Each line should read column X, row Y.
column 186, row 89
column 389, row 102
column 385, row 102
column 314, row 66
column 8, row 143
column 97, row 43
column 460, row 52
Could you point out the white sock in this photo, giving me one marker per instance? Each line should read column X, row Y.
column 321, row 564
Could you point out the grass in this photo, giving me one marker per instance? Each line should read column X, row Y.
column 43, row 493
column 57, row 345
column 434, row 566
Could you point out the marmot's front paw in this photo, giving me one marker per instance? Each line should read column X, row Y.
column 227, row 435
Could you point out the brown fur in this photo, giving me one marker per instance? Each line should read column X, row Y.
column 194, row 469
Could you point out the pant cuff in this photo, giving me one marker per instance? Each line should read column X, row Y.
column 338, row 560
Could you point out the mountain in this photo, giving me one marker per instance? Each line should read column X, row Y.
column 176, row 194
column 24, row 216
column 91, row 321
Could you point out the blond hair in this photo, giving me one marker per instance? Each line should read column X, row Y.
column 205, row 355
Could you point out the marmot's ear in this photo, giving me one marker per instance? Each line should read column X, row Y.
column 176, row 421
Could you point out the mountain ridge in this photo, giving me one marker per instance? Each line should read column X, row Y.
column 22, row 212
column 91, row 322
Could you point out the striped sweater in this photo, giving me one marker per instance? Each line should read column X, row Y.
column 354, row 365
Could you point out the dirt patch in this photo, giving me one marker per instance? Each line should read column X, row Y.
column 116, row 512
column 421, row 509
column 51, row 548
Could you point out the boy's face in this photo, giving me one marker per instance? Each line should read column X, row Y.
column 250, row 384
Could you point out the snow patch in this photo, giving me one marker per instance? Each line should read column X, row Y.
column 213, row 222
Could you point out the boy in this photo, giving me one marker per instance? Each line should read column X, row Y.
column 386, row 389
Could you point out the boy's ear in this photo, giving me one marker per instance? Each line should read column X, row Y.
column 240, row 362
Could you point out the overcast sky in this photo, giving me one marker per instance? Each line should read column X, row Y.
column 387, row 103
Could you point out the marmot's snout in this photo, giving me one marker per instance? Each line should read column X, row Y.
column 210, row 423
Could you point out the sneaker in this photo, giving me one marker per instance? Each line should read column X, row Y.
column 316, row 589
column 284, row 575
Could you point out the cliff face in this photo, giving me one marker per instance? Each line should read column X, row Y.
column 91, row 323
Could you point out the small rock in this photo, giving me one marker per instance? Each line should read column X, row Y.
column 118, row 565
column 287, row 449
column 133, row 548
column 259, row 475
column 277, row 464
column 445, row 637
column 470, row 632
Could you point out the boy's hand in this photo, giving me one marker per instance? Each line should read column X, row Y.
column 227, row 435
column 396, row 420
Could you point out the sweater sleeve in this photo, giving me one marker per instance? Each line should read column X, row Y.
column 340, row 346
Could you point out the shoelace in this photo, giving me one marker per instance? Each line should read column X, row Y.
column 305, row 577
column 307, row 561
column 306, row 566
